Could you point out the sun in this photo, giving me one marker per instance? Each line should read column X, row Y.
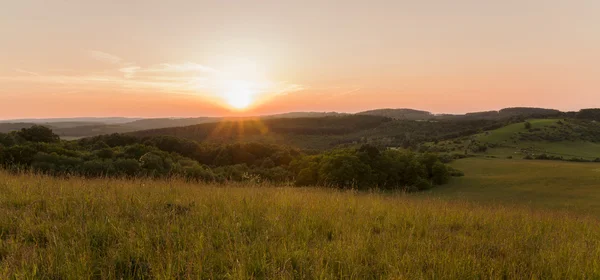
column 238, row 94
column 241, row 84
column 239, row 98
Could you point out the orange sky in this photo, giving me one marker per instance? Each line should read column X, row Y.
column 203, row 58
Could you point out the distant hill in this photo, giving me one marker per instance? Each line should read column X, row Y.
column 303, row 115
column 8, row 127
column 400, row 114
column 411, row 114
column 109, row 120
column 325, row 132
column 589, row 114
column 506, row 113
column 528, row 112
column 168, row 122
column 73, row 128
column 57, row 126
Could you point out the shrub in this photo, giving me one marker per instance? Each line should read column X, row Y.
column 96, row 168
column 440, row 174
column 455, row 172
column 127, row 167
column 199, row 173
column 422, row 184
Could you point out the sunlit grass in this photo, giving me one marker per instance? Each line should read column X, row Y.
column 80, row 229
column 541, row 184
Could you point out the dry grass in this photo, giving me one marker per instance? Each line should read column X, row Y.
column 79, row 229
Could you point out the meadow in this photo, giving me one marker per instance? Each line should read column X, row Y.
column 52, row 228
column 540, row 184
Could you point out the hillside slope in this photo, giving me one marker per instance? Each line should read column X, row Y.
column 566, row 138
column 402, row 114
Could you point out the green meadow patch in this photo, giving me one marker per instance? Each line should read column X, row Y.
column 541, row 184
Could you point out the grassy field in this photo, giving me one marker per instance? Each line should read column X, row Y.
column 567, row 149
column 80, row 229
column 505, row 133
column 540, row 184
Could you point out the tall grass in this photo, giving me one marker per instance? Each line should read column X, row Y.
column 80, row 229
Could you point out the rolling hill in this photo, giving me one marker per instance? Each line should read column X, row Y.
column 325, row 132
column 566, row 138
column 506, row 113
column 401, row 114
column 74, row 128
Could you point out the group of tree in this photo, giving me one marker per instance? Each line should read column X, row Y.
column 118, row 155
column 369, row 167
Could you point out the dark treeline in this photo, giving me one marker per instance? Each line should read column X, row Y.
column 118, row 155
column 589, row 114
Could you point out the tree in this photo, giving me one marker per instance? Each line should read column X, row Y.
column 344, row 170
column 7, row 140
column 127, row 167
column 154, row 163
column 106, row 153
column 440, row 173
column 38, row 133
column 306, row 177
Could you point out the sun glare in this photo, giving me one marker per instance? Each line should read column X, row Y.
column 238, row 94
column 239, row 98
column 242, row 84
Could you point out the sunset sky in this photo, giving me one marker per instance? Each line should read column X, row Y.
column 75, row 58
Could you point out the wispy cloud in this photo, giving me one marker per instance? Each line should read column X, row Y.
column 27, row 72
column 179, row 78
column 132, row 70
column 104, row 57
column 183, row 67
column 129, row 71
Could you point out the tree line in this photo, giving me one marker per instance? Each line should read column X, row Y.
column 119, row 155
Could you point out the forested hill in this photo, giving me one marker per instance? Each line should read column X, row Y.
column 404, row 114
column 506, row 113
column 327, row 132
column 73, row 128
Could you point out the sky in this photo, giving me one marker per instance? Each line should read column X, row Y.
column 77, row 58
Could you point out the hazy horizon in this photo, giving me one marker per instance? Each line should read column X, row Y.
column 209, row 58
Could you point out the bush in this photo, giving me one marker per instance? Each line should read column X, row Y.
column 455, row 172
column 96, row 168
column 199, row 173
column 306, row 177
column 440, row 174
column 422, row 184
column 127, row 167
